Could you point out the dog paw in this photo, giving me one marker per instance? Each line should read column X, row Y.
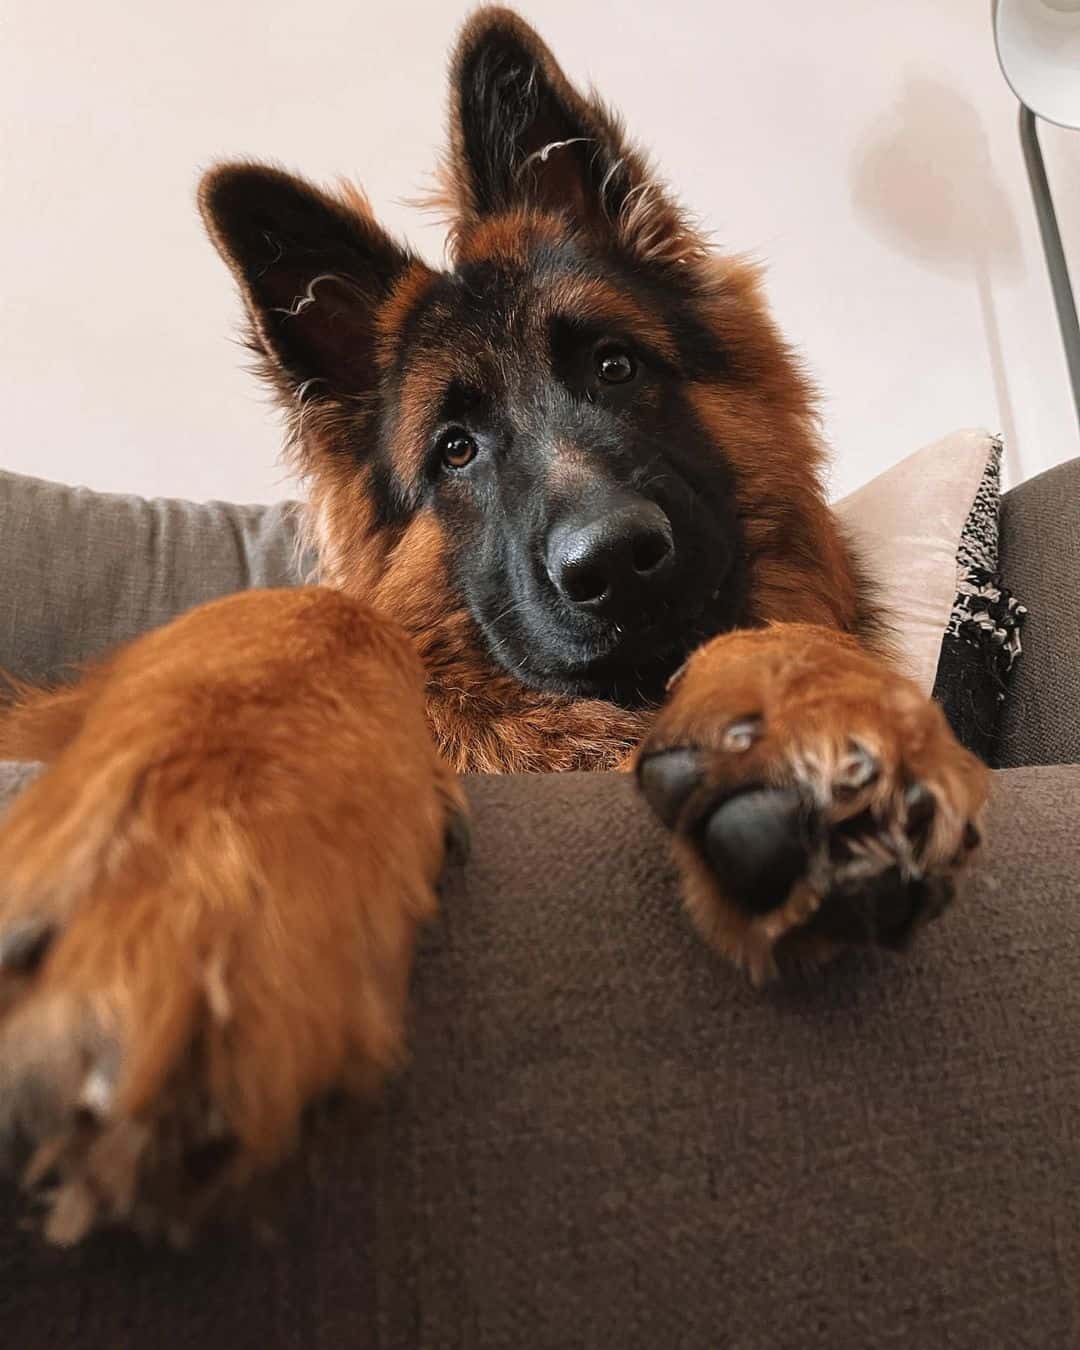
column 160, row 1040
column 207, row 920
column 816, row 799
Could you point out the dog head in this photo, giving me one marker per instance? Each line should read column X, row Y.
column 579, row 451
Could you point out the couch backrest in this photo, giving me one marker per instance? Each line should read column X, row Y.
column 81, row 571
column 1040, row 561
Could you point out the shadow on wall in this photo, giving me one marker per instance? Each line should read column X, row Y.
column 923, row 181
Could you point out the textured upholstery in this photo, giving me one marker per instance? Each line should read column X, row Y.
column 1040, row 559
column 82, row 571
column 606, row 1139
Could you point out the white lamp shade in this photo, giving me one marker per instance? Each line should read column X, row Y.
column 1038, row 45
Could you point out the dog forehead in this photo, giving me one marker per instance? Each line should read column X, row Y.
column 494, row 312
column 482, row 306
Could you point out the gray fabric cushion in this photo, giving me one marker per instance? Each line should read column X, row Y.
column 607, row 1139
column 1040, row 560
column 85, row 570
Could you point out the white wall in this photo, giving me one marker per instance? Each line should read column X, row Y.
column 866, row 148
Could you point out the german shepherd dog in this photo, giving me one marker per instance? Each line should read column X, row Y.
column 567, row 502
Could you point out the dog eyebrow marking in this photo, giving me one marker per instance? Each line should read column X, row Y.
column 597, row 302
column 392, row 318
column 423, row 391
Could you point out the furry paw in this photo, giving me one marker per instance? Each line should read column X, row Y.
column 817, row 800
column 208, row 907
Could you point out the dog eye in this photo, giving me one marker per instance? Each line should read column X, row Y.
column 457, row 448
column 615, row 366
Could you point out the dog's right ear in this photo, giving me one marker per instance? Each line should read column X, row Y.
column 313, row 269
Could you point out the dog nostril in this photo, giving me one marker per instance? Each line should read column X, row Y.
column 648, row 551
column 584, row 583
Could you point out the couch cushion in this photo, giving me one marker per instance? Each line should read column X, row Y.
column 83, row 571
column 606, row 1138
column 907, row 523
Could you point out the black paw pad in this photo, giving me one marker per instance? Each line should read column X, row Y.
column 758, row 843
column 884, row 911
column 667, row 778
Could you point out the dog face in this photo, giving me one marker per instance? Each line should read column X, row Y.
column 579, row 452
column 538, row 413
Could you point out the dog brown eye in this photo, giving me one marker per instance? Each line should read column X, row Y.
column 615, row 367
column 457, row 449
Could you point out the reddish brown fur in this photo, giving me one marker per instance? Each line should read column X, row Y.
column 813, row 693
column 239, row 841
column 766, row 420
column 244, row 817
column 800, row 565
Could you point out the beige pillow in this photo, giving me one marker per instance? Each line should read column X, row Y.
column 907, row 524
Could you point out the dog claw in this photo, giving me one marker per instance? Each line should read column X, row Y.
column 858, row 769
column 921, row 807
column 97, row 1095
column 741, row 735
column 24, row 945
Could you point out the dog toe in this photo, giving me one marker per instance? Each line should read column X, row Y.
column 758, row 843
column 668, row 778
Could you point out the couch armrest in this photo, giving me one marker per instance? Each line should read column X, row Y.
column 1040, row 561
column 606, row 1138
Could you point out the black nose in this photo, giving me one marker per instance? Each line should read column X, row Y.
column 609, row 561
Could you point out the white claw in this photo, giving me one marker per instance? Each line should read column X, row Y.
column 858, row 768
column 97, row 1093
column 741, row 735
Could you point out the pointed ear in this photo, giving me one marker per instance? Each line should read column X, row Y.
column 313, row 270
column 521, row 136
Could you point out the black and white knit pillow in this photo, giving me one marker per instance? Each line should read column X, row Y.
column 982, row 643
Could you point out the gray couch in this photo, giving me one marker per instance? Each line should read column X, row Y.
column 605, row 1138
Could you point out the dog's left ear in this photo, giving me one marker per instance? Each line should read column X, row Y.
column 521, row 137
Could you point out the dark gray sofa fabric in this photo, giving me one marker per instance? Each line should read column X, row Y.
column 606, row 1139
column 81, row 571
column 1040, row 560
